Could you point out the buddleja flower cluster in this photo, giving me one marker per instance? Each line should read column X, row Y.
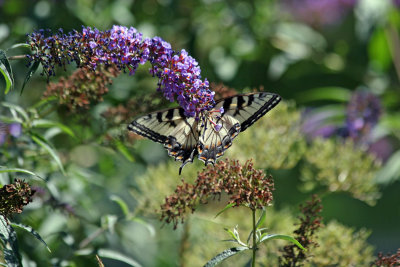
column 245, row 185
column 13, row 197
column 125, row 48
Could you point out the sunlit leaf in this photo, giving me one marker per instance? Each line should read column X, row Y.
column 224, row 255
column 43, row 143
column 6, row 71
column 41, row 123
column 24, row 45
column 31, row 231
column 124, row 151
column 390, row 171
column 148, row 226
column 122, row 204
column 111, row 254
column 5, row 169
column 16, row 109
column 265, row 237
column 230, row 205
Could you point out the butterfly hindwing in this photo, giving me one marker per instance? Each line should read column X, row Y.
column 173, row 129
column 240, row 112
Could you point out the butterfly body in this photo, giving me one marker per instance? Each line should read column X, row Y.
column 209, row 137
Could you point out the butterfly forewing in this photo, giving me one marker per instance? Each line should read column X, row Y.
column 248, row 108
column 171, row 128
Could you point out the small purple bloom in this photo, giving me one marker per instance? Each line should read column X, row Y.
column 15, row 129
column 218, row 127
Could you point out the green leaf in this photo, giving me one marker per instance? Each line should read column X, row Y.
column 124, row 151
column 41, row 123
column 122, row 204
column 325, row 93
column 31, row 231
column 24, row 45
column 379, row 50
column 390, row 171
column 6, row 70
column 265, row 237
column 5, row 169
column 230, row 232
column 111, row 254
column 224, row 255
column 31, row 71
column 16, row 109
column 230, row 205
column 10, row 245
column 148, row 226
column 44, row 144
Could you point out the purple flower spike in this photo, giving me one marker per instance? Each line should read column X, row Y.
column 178, row 73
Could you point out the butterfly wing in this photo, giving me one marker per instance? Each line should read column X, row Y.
column 240, row 112
column 173, row 129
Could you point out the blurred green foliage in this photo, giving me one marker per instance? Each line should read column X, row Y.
column 98, row 188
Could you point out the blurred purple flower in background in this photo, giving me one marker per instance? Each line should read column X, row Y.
column 361, row 116
column 363, row 113
column 6, row 130
column 319, row 12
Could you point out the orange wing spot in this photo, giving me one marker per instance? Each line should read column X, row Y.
column 203, row 158
column 219, row 144
column 226, row 146
column 219, row 154
column 169, row 146
column 172, row 153
column 179, row 157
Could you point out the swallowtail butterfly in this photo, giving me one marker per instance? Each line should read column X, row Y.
column 209, row 137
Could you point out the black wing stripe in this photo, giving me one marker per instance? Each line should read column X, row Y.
column 261, row 112
column 146, row 132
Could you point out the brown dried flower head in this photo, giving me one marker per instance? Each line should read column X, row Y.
column 310, row 222
column 13, row 197
column 82, row 88
column 245, row 186
column 388, row 260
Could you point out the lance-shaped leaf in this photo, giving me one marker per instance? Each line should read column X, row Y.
column 115, row 255
column 31, row 231
column 224, row 255
column 6, row 71
column 44, row 144
column 265, row 237
column 230, row 205
column 31, row 71
column 5, row 169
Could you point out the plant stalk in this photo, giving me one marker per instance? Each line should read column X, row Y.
column 254, row 247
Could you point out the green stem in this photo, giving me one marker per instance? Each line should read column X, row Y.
column 254, row 247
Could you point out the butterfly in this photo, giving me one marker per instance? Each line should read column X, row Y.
column 208, row 137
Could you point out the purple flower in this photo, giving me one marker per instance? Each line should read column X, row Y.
column 363, row 113
column 13, row 129
column 178, row 73
column 319, row 12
